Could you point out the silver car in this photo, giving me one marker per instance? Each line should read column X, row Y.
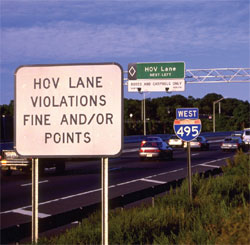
column 174, row 141
column 200, row 143
column 155, row 149
column 246, row 135
column 232, row 144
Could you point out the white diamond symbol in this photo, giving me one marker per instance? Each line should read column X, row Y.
column 132, row 71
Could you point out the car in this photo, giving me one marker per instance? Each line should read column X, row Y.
column 232, row 144
column 174, row 141
column 153, row 138
column 157, row 149
column 11, row 161
column 200, row 143
column 246, row 136
column 237, row 134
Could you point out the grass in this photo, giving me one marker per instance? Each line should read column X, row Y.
column 218, row 214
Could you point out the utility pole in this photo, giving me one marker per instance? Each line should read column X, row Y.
column 214, row 103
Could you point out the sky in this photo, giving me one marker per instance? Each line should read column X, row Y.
column 203, row 34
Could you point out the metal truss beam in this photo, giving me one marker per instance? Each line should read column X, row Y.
column 219, row 75
column 215, row 75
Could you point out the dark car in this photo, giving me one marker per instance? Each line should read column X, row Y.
column 237, row 134
column 233, row 144
column 10, row 161
column 155, row 149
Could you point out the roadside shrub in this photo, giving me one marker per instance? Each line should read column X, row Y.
column 218, row 214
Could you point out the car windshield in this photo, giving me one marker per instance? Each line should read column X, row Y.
column 247, row 132
column 152, row 144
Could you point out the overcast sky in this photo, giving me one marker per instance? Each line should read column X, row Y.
column 203, row 34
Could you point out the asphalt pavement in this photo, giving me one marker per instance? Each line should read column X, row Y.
column 80, row 185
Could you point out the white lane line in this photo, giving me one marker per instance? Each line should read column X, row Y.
column 153, row 181
column 79, row 194
column 195, row 154
column 40, row 182
column 210, row 166
column 130, row 150
column 207, row 164
column 112, row 169
column 120, row 184
column 29, row 213
column 128, row 182
column 169, row 172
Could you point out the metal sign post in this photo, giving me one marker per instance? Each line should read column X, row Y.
column 35, row 200
column 105, row 201
column 144, row 115
column 187, row 126
column 189, row 171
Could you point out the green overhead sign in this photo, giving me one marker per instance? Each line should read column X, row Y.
column 170, row 70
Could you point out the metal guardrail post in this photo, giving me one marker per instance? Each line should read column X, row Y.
column 153, row 197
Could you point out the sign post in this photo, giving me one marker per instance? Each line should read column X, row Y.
column 69, row 111
column 187, row 126
column 35, row 173
column 189, row 171
column 105, row 201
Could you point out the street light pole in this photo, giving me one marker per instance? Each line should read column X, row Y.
column 143, row 111
column 144, row 114
column 215, row 102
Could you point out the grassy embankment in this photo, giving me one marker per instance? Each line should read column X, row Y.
column 218, row 214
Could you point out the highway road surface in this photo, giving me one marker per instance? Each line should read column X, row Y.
column 80, row 185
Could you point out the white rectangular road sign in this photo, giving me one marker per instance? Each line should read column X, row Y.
column 71, row 110
column 156, row 85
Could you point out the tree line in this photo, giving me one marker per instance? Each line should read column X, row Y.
column 161, row 112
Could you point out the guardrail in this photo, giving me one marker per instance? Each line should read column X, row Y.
column 138, row 138
column 135, row 138
column 16, row 233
